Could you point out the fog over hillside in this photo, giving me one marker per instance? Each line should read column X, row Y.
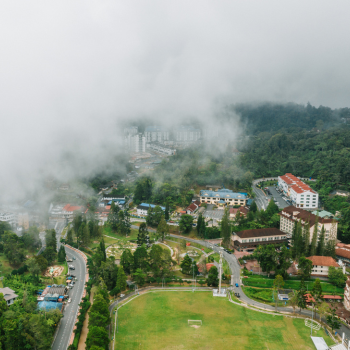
column 74, row 73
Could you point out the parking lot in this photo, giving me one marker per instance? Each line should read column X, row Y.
column 279, row 200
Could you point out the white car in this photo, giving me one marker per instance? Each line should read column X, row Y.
column 69, row 300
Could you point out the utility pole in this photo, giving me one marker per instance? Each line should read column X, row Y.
column 220, row 273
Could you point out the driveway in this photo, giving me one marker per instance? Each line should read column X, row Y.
column 279, row 200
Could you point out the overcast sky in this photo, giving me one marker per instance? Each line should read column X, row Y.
column 71, row 70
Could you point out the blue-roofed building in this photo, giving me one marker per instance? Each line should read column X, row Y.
column 224, row 195
column 142, row 209
column 49, row 305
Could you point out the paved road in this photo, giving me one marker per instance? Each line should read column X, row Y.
column 279, row 200
column 67, row 323
column 260, row 198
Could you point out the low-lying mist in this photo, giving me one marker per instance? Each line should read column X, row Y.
column 74, row 74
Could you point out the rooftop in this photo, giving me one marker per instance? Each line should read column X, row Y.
column 306, row 216
column 260, row 232
column 8, row 293
column 146, row 205
column 323, row 261
column 222, row 194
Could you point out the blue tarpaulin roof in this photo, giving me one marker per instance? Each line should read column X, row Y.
column 49, row 305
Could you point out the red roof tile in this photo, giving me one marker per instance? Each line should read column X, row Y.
column 69, row 207
column 323, row 261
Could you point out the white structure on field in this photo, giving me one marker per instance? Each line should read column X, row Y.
column 301, row 194
column 221, row 292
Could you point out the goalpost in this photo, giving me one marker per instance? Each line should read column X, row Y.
column 195, row 322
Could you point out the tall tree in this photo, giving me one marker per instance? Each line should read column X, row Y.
column 166, row 213
column 330, row 248
column 305, row 267
column 127, row 261
column 186, row 222
column 141, row 236
column 113, row 216
column 86, row 235
column 121, row 280
column 306, row 239
column 70, row 236
column 267, row 257
column 141, row 259
column 253, row 207
column 301, row 295
column 162, row 229
column 321, row 245
column 226, row 230
column 103, row 249
column 124, row 222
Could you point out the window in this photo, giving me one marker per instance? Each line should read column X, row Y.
column 277, row 238
column 251, row 240
column 263, row 239
column 257, row 240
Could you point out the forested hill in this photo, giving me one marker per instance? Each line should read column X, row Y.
column 324, row 154
column 271, row 117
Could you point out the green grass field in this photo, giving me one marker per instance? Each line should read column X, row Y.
column 291, row 284
column 159, row 320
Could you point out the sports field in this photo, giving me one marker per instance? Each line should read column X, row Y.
column 159, row 321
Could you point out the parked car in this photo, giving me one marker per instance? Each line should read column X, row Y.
column 236, row 284
column 72, row 267
column 74, row 258
column 69, row 300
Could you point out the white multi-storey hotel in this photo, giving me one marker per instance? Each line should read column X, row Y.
column 301, row 194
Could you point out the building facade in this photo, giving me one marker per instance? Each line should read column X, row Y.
column 156, row 134
column 187, row 134
column 8, row 217
column 161, row 148
column 249, row 240
column 289, row 216
column 227, row 196
column 142, row 209
column 321, row 264
column 301, row 194
column 136, row 143
column 9, row 295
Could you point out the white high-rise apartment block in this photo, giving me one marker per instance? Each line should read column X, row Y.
column 301, row 194
column 156, row 134
column 187, row 134
column 136, row 143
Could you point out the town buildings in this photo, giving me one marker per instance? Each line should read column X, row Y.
column 142, row 209
column 249, row 240
column 321, row 264
column 66, row 212
column 9, row 295
column 193, row 207
column 8, row 217
column 136, row 143
column 242, row 210
column 301, row 194
column 156, row 134
column 227, row 197
column 160, row 148
column 342, row 252
column 289, row 216
column 187, row 134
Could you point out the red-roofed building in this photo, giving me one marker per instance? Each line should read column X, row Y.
column 289, row 216
column 193, row 207
column 309, row 299
column 321, row 264
column 243, row 211
column 301, row 194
